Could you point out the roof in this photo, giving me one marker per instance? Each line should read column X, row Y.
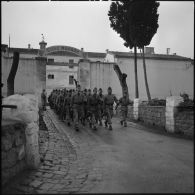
column 95, row 55
column 149, row 56
column 24, row 50
column 62, row 64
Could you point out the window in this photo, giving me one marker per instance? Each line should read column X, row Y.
column 50, row 60
column 71, row 66
column 71, row 61
column 50, row 76
column 71, row 79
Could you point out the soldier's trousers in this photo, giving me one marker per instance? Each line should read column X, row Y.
column 77, row 114
column 124, row 112
column 109, row 114
column 94, row 117
column 100, row 113
column 67, row 114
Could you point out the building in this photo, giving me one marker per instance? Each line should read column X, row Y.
column 168, row 74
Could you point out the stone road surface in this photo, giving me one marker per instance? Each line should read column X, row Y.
column 125, row 160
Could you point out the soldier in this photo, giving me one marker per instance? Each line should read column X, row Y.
column 93, row 105
column 43, row 99
column 89, row 114
column 77, row 105
column 108, row 107
column 85, row 106
column 124, row 102
column 100, row 106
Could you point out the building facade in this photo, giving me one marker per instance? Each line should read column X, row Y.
column 168, row 74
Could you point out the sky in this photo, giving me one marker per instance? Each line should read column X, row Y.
column 86, row 25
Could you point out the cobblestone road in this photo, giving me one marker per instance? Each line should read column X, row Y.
column 123, row 160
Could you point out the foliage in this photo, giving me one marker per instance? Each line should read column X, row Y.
column 135, row 21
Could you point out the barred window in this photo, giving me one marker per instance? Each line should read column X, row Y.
column 50, row 76
column 71, row 79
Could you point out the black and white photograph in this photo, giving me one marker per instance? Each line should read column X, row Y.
column 97, row 97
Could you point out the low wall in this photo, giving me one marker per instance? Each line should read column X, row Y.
column 153, row 115
column 184, row 122
column 20, row 140
column 13, row 143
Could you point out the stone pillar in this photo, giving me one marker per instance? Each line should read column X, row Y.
column 171, row 103
column 84, row 73
column 136, row 108
column 40, row 76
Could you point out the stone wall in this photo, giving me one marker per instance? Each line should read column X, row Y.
column 26, row 112
column 13, row 143
column 153, row 115
column 184, row 122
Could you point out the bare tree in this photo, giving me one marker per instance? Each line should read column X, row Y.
column 12, row 74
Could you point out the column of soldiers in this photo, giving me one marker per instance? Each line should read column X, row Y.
column 82, row 107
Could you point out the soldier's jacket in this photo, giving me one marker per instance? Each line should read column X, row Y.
column 101, row 100
column 93, row 101
column 77, row 99
column 124, row 102
column 109, row 100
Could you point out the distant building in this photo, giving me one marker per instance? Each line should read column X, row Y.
column 167, row 73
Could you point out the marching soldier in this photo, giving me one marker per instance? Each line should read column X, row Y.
column 89, row 114
column 77, row 105
column 85, row 106
column 108, row 107
column 93, row 104
column 124, row 102
column 100, row 106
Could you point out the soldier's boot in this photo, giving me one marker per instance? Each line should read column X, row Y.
column 110, row 127
column 106, row 124
column 68, row 123
column 76, row 128
column 121, row 122
column 125, row 124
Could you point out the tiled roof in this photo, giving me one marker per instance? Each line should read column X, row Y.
column 149, row 56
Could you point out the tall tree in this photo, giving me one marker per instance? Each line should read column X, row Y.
column 136, row 22
column 118, row 16
column 12, row 74
column 143, row 22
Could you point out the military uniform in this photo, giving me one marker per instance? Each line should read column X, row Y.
column 108, row 105
column 77, row 105
column 100, row 108
column 93, row 105
column 124, row 102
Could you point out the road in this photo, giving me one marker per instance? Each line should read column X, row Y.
column 129, row 159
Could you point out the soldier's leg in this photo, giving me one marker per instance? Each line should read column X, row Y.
column 94, row 119
column 122, row 116
column 67, row 116
column 110, row 115
column 76, row 118
column 125, row 117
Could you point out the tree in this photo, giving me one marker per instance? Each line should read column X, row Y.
column 143, row 22
column 12, row 74
column 136, row 22
column 118, row 16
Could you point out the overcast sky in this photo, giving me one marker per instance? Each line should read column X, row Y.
column 86, row 24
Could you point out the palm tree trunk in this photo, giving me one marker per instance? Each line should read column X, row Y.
column 12, row 74
column 145, row 76
column 136, row 79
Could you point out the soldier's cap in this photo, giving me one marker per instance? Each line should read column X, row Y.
column 78, row 86
column 100, row 89
column 89, row 89
column 95, row 89
column 85, row 90
column 109, row 88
